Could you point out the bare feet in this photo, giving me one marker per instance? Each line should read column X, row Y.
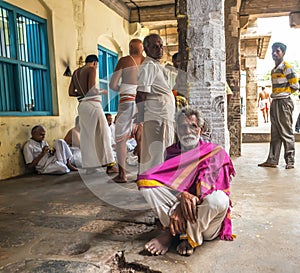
column 268, row 165
column 119, row 179
column 160, row 244
column 112, row 170
column 184, row 248
column 71, row 166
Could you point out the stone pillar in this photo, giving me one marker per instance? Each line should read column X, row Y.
column 251, row 83
column 232, row 37
column 205, row 48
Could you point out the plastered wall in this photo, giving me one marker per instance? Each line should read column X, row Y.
column 75, row 28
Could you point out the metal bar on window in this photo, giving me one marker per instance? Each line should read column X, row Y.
column 25, row 84
column 4, row 33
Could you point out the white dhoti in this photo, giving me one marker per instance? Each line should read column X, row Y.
column 211, row 212
column 157, row 136
column 95, row 142
column 126, row 112
column 76, row 159
column 48, row 164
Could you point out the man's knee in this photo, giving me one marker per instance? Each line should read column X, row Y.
column 217, row 200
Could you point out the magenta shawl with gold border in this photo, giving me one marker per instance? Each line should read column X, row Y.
column 199, row 171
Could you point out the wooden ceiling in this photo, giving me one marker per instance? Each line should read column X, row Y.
column 143, row 10
column 161, row 10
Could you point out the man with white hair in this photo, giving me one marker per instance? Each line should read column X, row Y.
column 190, row 190
column 46, row 160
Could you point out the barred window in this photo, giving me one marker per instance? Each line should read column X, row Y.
column 107, row 62
column 24, row 64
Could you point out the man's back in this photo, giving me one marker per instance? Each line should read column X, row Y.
column 264, row 95
column 84, row 79
column 130, row 65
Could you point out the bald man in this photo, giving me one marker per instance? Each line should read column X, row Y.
column 38, row 155
column 156, row 105
column 126, row 70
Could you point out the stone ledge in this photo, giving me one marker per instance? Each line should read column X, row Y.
column 261, row 137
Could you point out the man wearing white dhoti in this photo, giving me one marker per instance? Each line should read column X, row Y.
column 96, row 150
column 156, row 105
column 126, row 70
column 39, row 155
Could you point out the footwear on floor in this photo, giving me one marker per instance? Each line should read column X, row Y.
column 289, row 166
column 268, row 165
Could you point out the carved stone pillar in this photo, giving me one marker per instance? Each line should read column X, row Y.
column 205, row 49
column 251, row 83
column 232, row 37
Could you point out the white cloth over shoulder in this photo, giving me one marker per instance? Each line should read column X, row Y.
column 160, row 102
column 159, row 113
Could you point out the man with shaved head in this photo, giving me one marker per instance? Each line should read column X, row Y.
column 156, row 105
column 126, row 70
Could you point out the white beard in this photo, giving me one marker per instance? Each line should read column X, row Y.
column 189, row 141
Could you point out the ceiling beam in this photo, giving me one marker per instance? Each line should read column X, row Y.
column 267, row 8
column 153, row 13
column 119, row 7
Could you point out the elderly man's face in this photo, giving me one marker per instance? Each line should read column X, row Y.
column 188, row 132
column 39, row 134
column 155, row 49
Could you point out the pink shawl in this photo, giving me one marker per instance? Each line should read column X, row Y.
column 199, row 171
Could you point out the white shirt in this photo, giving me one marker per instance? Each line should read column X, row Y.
column 160, row 102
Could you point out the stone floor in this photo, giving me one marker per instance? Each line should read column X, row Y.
column 77, row 223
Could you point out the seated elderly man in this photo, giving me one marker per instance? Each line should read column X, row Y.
column 38, row 154
column 190, row 190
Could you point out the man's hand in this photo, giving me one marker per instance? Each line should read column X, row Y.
column 188, row 204
column 177, row 222
column 103, row 91
column 45, row 150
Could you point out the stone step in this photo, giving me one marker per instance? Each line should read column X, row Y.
column 261, row 137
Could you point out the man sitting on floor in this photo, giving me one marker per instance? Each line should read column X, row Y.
column 38, row 154
column 190, row 190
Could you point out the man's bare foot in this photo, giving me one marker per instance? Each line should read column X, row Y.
column 112, row 170
column 184, row 248
column 119, row 179
column 71, row 166
column 160, row 244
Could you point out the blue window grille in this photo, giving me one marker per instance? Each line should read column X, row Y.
column 107, row 62
column 25, row 88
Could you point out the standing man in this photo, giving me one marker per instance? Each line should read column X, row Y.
column 156, row 105
column 263, row 102
column 96, row 150
column 284, row 83
column 126, row 69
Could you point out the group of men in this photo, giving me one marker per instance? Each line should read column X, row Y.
column 187, row 183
